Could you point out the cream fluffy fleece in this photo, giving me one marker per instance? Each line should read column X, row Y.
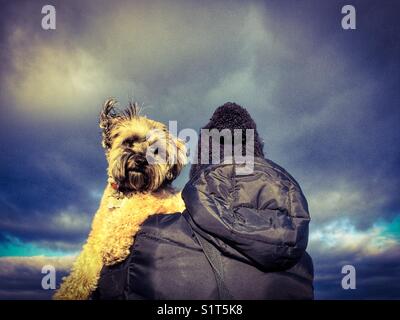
column 113, row 229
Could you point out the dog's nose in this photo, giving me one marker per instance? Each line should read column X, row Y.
column 141, row 161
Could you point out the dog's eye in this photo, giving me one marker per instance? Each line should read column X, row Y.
column 156, row 151
column 130, row 141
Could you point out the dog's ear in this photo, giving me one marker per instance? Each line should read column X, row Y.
column 108, row 118
column 132, row 110
column 180, row 159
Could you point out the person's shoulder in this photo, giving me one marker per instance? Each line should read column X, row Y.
column 172, row 227
column 162, row 220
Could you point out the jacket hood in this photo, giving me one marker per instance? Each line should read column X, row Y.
column 260, row 218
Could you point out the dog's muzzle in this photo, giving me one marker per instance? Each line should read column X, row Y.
column 131, row 172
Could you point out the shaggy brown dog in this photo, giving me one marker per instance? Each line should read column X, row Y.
column 136, row 189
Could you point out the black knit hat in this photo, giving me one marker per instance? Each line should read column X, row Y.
column 230, row 116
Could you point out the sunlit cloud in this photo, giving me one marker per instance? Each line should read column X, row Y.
column 341, row 198
column 69, row 76
column 14, row 247
column 342, row 236
column 71, row 220
column 8, row 265
column 54, row 80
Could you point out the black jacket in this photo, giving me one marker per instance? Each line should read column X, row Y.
column 258, row 223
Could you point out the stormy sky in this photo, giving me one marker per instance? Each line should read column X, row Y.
column 326, row 102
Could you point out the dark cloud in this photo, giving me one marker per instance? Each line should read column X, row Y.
column 21, row 278
column 376, row 276
column 46, row 173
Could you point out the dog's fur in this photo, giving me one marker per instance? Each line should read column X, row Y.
column 136, row 189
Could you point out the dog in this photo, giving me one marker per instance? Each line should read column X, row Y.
column 143, row 159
